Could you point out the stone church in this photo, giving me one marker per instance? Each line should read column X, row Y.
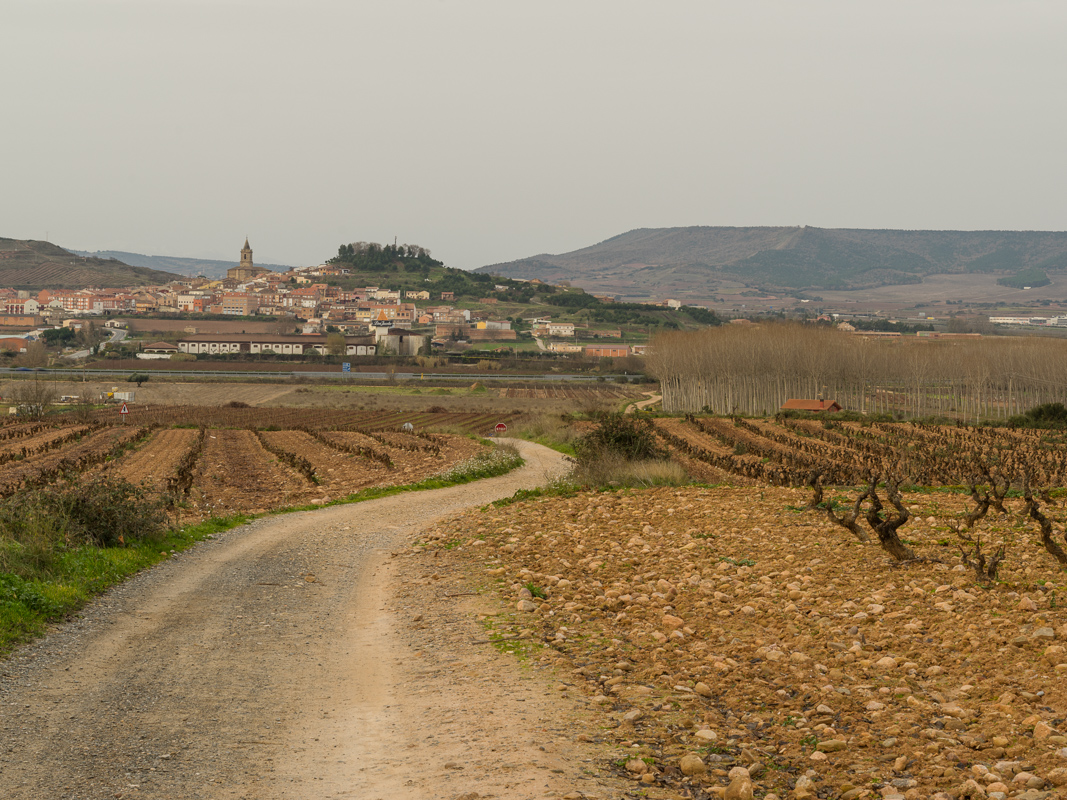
column 245, row 270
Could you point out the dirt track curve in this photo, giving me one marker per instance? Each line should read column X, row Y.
column 290, row 658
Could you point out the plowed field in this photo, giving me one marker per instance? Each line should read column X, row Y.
column 156, row 460
column 243, row 461
column 236, row 474
column 82, row 453
column 241, row 417
column 736, row 646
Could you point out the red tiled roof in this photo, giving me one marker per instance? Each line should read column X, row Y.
column 810, row 405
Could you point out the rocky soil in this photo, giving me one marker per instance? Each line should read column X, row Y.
column 738, row 646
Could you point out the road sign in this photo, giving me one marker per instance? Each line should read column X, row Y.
column 501, row 428
column 125, row 409
column 346, row 367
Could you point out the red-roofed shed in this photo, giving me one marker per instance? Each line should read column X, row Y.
column 811, row 405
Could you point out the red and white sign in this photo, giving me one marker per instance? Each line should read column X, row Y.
column 125, row 409
column 501, row 428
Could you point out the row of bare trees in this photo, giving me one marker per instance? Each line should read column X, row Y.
column 754, row 370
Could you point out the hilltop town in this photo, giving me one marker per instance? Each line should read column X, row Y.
column 322, row 310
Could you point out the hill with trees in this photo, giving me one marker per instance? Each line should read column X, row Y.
column 407, row 267
column 679, row 260
column 31, row 264
column 411, row 267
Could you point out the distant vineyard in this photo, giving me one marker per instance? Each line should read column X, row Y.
column 581, row 394
column 793, row 452
column 315, row 418
column 204, row 462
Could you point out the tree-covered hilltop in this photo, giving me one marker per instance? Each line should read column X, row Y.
column 374, row 257
column 412, row 267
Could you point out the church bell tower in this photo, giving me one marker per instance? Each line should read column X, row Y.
column 246, row 256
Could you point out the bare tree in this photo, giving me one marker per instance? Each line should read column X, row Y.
column 749, row 370
column 84, row 409
column 33, row 397
column 36, row 355
column 981, row 508
column 815, row 482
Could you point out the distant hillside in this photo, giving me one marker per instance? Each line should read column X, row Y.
column 687, row 260
column 186, row 266
column 30, row 264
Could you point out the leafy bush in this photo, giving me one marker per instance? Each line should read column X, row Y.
column 626, row 435
column 488, row 463
column 1049, row 415
column 622, row 450
column 100, row 512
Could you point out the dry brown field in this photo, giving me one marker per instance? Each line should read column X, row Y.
column 970, row 288
column 739, row 642
column 550, row 398
column 221, row 448
column 735, row 644
column 236, row 460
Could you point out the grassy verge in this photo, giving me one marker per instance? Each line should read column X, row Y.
column 71, row 576
column 554, row 431
column 76, row 575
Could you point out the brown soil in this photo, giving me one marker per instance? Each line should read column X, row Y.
column 155, row 461
column 548, row 398
column 780, row 636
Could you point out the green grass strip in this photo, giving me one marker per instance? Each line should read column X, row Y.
column 27, row 606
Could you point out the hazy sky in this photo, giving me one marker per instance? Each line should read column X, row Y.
column 491, row 130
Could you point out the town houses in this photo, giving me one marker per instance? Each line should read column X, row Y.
column 372, row 319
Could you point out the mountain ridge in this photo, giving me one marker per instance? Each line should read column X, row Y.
column 34, row 264
column 786, row 258
column 208, row 267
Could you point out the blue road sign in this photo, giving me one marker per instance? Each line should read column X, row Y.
column 346, row 367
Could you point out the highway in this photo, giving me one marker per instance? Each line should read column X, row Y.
column 335, row 374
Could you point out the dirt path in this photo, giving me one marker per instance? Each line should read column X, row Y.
column 312, row 655
column 640, row 405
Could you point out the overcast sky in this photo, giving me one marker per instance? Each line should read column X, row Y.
column 488, row 130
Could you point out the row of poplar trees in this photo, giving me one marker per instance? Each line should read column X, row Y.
column 754, row 369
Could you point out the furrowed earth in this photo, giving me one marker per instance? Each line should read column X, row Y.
column 739, row 646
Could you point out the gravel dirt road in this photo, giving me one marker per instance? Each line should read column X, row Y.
column 310, row 655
